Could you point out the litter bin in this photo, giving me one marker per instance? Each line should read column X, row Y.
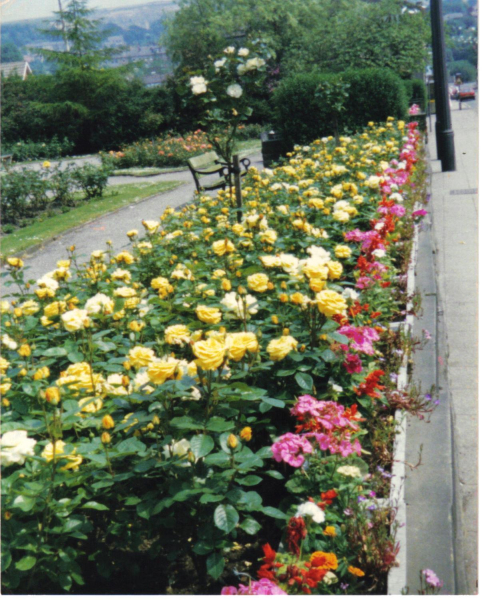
column 273, row 147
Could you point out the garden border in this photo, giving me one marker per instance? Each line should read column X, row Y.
column 397, row 576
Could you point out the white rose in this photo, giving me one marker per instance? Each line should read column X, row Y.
column 234, row 90
column 100, row 303
column 15, row 446
column 7, row 341
column 230, row 50
column 349, row 471
column 48, row 282
column 243, row 52
column 219, row 63
column 379, row 253
column 198, row 85
column 350, row 294
column 254, row 63
column 330, row 578
column 75, row 319
column 310, row 509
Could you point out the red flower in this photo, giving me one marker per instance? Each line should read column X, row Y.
column 371, row 384
column 296, row 531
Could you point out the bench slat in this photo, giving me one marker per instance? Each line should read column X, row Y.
column 198, row 162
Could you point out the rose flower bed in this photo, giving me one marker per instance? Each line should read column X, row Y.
column 219, row 387
column 168, row 151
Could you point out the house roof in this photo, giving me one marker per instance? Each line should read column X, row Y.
column 21, row 68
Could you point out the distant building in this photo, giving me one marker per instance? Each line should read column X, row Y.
column 21, row 68
column 144, row 54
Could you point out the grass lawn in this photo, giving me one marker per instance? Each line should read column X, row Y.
column 45, row 228
column 246, row 147
column 147, row 171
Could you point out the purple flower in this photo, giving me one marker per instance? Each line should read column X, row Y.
column 419, row 213
column 361, row 498
column 372, row 507
column 432, row 579
column 344, row 586
column 426, row 334
column 393, row 377
column 372, row 494
column 348, row 512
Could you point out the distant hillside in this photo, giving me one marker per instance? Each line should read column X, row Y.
column 136, row 24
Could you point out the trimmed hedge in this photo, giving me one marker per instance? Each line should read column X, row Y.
column 416, row 92
column 374, row 95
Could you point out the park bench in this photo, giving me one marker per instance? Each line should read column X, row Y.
column 210, row 164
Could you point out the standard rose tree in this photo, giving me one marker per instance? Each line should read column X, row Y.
column 223, row 92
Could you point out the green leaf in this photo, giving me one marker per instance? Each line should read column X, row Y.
column 215, row 565
column 226, row 517
column 95, row 505
column 328, row 356
column 105, row 346
column 203, row 547
column 339, row 337
column 305, row 381
column 274, row 474
column 249, row 480
column 250, row 525
column 26, row 563
column 270, row 511
column 274, row 402
column 201, row 445
column 219, row 424
column 24, row 503
column 130, row 446
column 75, row 356
column 54, row 352
column 206, row 498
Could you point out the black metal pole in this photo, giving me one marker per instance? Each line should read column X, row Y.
column 443, row 126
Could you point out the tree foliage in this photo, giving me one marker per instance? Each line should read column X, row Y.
column 333, row 35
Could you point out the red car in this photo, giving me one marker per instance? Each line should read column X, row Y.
column 466, row 92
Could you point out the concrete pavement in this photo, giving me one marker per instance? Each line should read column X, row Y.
column 442, row 493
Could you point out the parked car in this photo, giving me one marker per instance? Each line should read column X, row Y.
column 466, row 92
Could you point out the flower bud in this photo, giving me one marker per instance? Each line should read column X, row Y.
column 246, row 434
column 226, row 285
column 274, row 319
column 52, row 395
column 108, row 422
column 283, row 297
column 241, row 290
column 156, row 420
column 284, row 285
column 232, row 441
column 286, row 331
column 105, row 438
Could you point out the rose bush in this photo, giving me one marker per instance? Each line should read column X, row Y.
column 156, row 381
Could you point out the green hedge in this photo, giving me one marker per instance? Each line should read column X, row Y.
column 374, row 95
column 416, row 92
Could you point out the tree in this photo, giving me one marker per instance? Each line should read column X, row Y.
column 82, row 36
column 10, row 53
column 332, row 35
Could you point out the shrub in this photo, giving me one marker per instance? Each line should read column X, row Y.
column 91, row 180
column 373, row 95
column 416, row 92
column 299, row 115
column 29, row 150
column 27, row 193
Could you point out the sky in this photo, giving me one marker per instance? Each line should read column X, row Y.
column 17, row 10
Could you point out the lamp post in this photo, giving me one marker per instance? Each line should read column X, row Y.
column 443, row 126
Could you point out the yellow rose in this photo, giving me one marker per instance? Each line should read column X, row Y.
column 25, row 350
column 140, row 356
column 125, row 257
column 330, row 303
column 160, row 370
column 222, row 247
column 226, row 285
column 162, row 285
column 41, row 373
column 207, row 314
column 316, row 285
column 56, row 450
column 52, row 395
column 16, row 263
column 341, row 215
column 43, row 293
column 55, row 308
column 108, row 422
column 75, row 320
column 151, row 226
column 209, row 354
column 335, row 269
column 246, row 434
column 269, row 236
column 89, row 405
column 239, row 343
column 342, row 251
column 136, row 326
column 258, row 282
column 132, row 233
column 299, row 298
column 177, row 334
column 30, row 307
column 281, row 347
column 125, row 292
